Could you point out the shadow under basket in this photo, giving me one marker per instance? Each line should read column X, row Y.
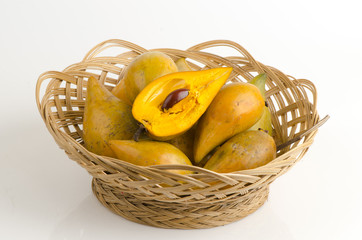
column 152, row 195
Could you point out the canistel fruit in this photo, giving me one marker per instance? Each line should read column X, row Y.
column 237, row 107
column 246, row 150
column 265, row 120
column 185, row 142
column 172, row 104
column 140, row 72
column 182, row 65
column 148, row 153
column 189, row 117
column 105, row 118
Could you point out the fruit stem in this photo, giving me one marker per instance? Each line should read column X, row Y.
column 138, row 133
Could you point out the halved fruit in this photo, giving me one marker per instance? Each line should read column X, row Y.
column 170, row 105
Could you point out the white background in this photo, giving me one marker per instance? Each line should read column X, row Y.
column 44, row 195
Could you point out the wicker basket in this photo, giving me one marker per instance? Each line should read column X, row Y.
column 152, row 195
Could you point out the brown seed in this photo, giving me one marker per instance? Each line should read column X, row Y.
column 174, row 97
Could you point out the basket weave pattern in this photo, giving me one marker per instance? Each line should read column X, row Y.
column 152, row 195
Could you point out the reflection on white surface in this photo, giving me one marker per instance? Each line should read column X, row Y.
column 90, row 220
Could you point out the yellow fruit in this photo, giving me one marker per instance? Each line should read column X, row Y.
column 148, row 153
column 265, row 120
column 182, row 65
column 172, row 104
column 105, row 118
column 237, row 107
column 246, row 150
column 185, row 142
column 141, row 71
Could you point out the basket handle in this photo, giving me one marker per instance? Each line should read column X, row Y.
column 50, row 75
column 37, row 90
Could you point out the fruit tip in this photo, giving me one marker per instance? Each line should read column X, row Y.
column 263, row 75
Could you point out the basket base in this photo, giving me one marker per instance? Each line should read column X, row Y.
column 178, row 215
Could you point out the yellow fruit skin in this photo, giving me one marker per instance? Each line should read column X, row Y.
column 185, row 142
column 105, row 118
column 237, row 107
column 167, row 124
column 246, row 150
column 140, row 72
column 265, row 120
column 120, row 92
column 182, row 65
column 148, row 153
